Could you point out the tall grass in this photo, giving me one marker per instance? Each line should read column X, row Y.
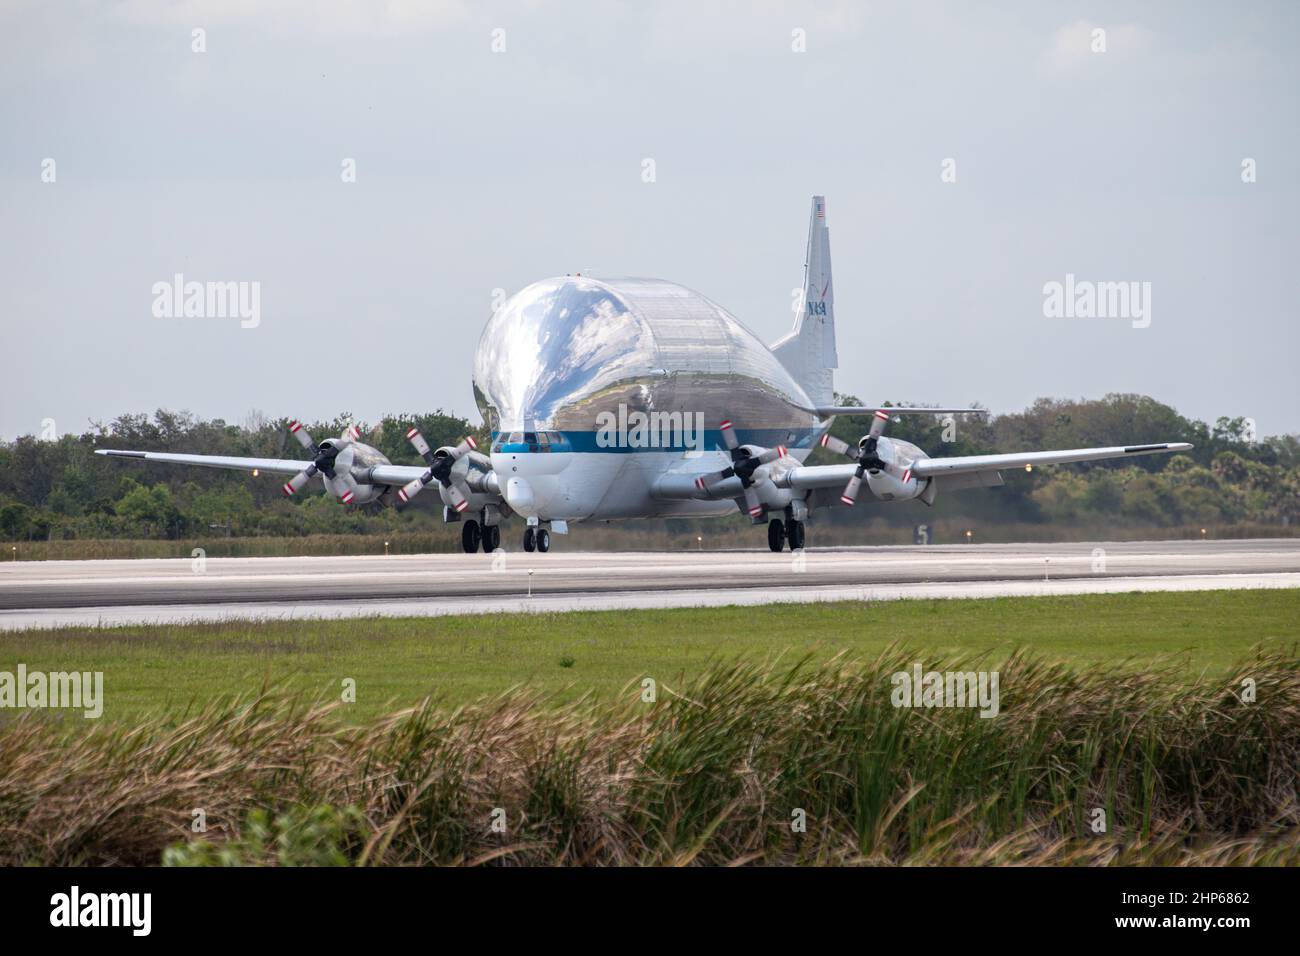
column 713, row 772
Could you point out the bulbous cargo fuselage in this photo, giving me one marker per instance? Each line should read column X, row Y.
column 594, row 388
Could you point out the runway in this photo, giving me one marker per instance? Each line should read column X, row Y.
column 61, row 593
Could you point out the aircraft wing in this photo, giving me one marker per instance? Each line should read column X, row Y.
column 382, row 475
column 826, row 476
column 395, row 474
column 929, row 467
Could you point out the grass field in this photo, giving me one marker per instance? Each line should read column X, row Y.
column 398, row 662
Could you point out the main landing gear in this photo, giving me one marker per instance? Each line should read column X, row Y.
column 472, row 535
column 780, row 532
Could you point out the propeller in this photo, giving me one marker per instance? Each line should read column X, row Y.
column 440, row 464
column 323, row 458
column 745, row 460
column 866, row 455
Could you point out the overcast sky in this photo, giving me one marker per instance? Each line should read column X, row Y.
column 478, row 170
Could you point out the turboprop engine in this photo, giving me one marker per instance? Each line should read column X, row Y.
column 747, row 463
column 449, row 467
column 885, row 464
column 343, row 464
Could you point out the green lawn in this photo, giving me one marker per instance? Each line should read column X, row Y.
column 396, row 662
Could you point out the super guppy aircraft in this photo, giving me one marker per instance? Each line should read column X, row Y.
column 639, row 398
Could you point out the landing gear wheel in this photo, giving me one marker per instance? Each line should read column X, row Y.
column 543, row 540
column 491, row 538
column 776, row 534
column 530, row 539
column 794, row 534
column 469, row 536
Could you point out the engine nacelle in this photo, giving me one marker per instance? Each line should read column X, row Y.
column 351, row 466
column 478, row 481
column 888, row 488
column 902, row 485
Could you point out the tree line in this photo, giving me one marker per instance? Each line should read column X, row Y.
column 61, row 490
column 1230, row 476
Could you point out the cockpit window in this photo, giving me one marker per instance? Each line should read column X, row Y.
column 535, row 442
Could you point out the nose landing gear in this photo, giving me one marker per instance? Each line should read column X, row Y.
column 538, row 539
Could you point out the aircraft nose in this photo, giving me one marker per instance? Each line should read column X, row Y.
column 519, row 495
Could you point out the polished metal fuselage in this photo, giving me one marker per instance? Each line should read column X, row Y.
column 568, row 366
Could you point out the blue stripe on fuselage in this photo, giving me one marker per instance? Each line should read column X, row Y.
column 586, row 442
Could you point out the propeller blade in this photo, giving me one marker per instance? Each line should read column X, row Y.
column 468, row 445
column 346, row 497
column 772, row 454
column 729, row 436
column 878, row 423
column 839, row 447
column 295, row 483
column 705, row 482
column 851, row 489
column 752, row 503
column 421, row 446
column 352, row 433
column 458, row 499
column 413, row 487
column 303, row 436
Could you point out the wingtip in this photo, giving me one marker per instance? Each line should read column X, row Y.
column 116, row 453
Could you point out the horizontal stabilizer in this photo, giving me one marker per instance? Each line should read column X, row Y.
column 827, row 410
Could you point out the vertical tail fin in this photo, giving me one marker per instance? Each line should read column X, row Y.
column 808, row 351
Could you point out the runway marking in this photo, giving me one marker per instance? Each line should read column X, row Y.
column 169, row 590
column 750, row 563
column 437, row 607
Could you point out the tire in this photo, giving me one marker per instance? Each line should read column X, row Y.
column 469, row 536
column 543, row 540
column 794, row 534
column 530, row 539
column 491, row 538
column 775, row 534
